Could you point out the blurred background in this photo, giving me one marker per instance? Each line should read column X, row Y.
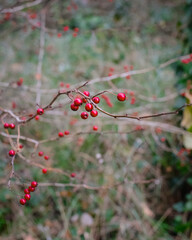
column 132, row 179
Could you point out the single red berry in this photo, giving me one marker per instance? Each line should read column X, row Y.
column 31, row 189
column 88, row 107
column 111, row 69
column 65, row 28
column 67, row 85
column 41, row 154
column 73, row 107
column 73, row 175
column 40, row 111
column 76, row 29
column 11, row 153
column 95, row 128
column 20, row 146
column 78, row 102
column 60, row 134
column 27, row 196
column 74, row 34
column 110, row 74
column 14, row 105
column 6, row 125
column 133, row 100
column 46, row 157
column 12, row 125
column 44, row 170
column 26, row 191
column 84, row 115
column 84, row 100
column 121, row 97
column 163, row 139
column 86, row 93
column 94, row 113
column 22, row 201
column 61, row 84
column 59, row 35
column 96, row 100
column 37, row 117
column 34, row 184
column 66, row 132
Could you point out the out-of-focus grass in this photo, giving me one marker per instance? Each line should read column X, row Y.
column 127, row 211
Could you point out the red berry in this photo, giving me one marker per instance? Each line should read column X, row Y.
column 46, row 157
column 76, row 29
column 78, row 102
column 84, row 115
column 27, row 196
column 34, row 184
column 40, row 111
column 6, row 125
column 163, row 139
column 66, row 132
column 121, row 97
column 88, row 107
column 62, row 84
column 73, row 175
column 11, row 153
column 26, row 191
column 44, row 170
column 20, row 146
column 31, row 189
column 41, row 154
column 74, row 34
column 60, row 134
column 86, row 93
column 95, row 128
column 73, row 107
column 65, row 28
column 84, row 100
column 59, row 35
column 67, row 85
column 37, row 117
column 22, row 201
column 94, row 113
column 133, row 100
column 96, row 100
column 12, row 125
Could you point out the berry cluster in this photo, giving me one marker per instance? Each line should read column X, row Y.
column 46, row 157
column 9, row 125
column 27, row 192
column 61, row 134
column 187, row 60
column 88, row 106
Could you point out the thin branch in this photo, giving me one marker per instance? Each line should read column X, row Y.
column 12, row 171
column 21, row 7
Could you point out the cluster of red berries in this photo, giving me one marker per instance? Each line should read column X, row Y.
column 66, row 28
column 187, row 60
column 46, row 157
column 61, row 134
column 9, row 125
column 88, row 107
column 27, row 192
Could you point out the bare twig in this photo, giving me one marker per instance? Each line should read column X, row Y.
column 21, row 7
